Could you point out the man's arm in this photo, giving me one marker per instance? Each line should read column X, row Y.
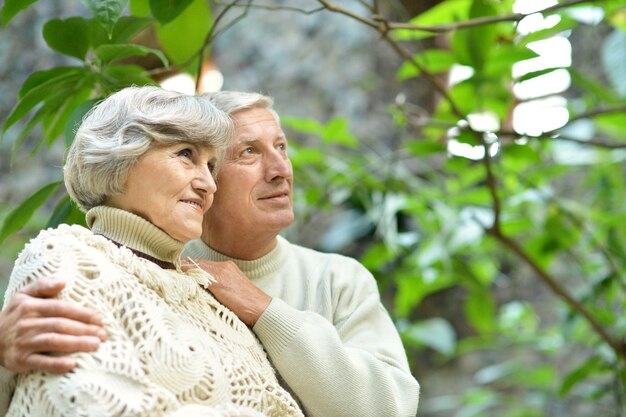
column 357, row 368
column 354, row 367
column 33, row 324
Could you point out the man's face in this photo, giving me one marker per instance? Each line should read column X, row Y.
column 254, row 197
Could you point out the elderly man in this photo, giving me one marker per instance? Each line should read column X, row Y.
column 319, row 316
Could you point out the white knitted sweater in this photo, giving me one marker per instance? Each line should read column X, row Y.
column 172, row 349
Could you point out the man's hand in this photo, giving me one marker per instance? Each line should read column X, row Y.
column 234, row 289
column 33, row 325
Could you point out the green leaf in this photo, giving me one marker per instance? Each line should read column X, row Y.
column 184, row 37
column 504, row 57
column 541, row 377
column 302, row 156
column 337, row 131
column 22, row 214
column 40, row 77
column 613, row 125
column 473, row 46
column 106, row 12
column 535, row 74
column 54, row 123
column 473, row 196
column 127, row 26
column 412, row 289
column 471, row 138
column 480, row 310
column 66, row 212
column 119, row 76
column 464, row 96
column 303, row 125
column 167, row 10
column 596, row 92
column 34, row 121
column 435, row 333
column 13, row 7
column 70, row 36
column 444, row 12
column 113, row 52
column 425, row 147
column 75, row 119
column 581, row 373
column 525, row 152
column 434, row 61
column 565, row 23
column 44, row 92
column 140, row 8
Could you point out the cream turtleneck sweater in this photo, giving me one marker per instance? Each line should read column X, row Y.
column 172, row 350
column 327, row 333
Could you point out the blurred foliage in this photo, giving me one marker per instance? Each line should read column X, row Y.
column 429, row 220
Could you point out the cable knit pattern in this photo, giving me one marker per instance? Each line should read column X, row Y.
column 172, row 349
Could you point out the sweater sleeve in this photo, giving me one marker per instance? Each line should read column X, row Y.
column 109, row 382
column 355, row 366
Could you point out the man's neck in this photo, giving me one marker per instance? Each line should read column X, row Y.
column 245, row 248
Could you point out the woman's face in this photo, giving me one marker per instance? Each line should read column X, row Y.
column 171, row 186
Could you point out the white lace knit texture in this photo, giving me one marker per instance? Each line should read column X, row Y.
column 172, row 349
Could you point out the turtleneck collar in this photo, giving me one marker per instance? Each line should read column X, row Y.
column 134, row 232
column 254, row 269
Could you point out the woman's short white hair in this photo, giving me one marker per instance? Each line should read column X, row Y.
column 121, row 128
column 234, row 101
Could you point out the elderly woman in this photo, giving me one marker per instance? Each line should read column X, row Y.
column 142, row 167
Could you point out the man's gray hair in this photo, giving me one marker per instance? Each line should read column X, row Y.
column 121, row 128
column 234, row 101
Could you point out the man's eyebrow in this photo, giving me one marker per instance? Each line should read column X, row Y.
column 249, row 141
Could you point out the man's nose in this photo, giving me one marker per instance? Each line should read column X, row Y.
column 277, row 165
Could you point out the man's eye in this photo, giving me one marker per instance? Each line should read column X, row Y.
column 248, row 151
column 211, row 166
column 185, row 153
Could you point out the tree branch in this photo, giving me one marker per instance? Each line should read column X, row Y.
column 384, row 27
column 443, row 28
column 619, row 347
column 598, row 112
column 267, row 7
column 592, row 142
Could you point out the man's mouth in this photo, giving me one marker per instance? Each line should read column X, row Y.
column 276, row 194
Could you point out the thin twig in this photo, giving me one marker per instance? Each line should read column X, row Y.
column 382, row 28
column 337, row 9
column 516, row 17
column 591, row 142
column 598, row 112
column 275, row 8
column 209, row 38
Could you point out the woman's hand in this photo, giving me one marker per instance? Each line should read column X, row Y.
column 33, row 324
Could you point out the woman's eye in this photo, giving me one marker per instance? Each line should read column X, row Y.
column 185, row 153
column 248, row 151
column 211, row 166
